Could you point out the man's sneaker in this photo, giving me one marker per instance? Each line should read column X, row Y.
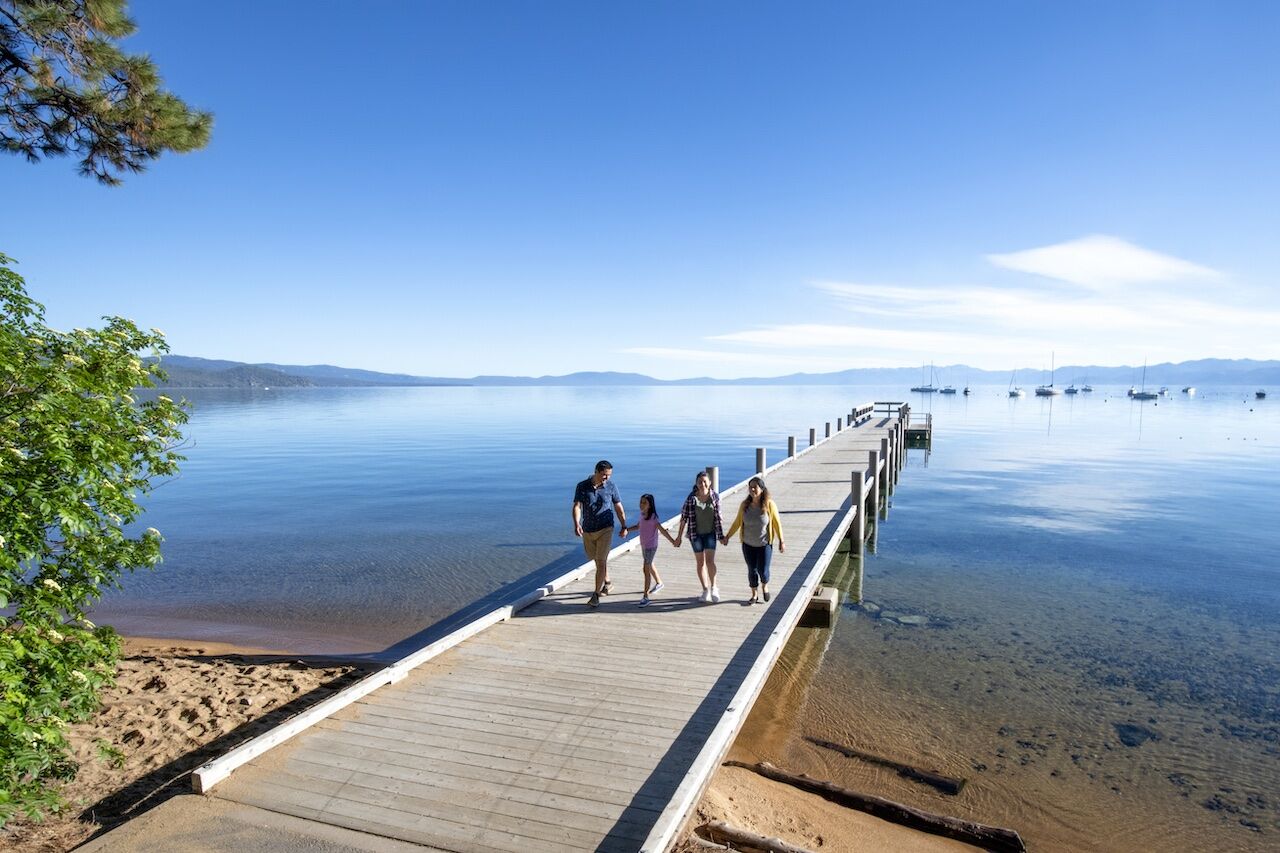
column 715, row 594
column 766, row 595
column 706, row 596
column 595, row 600
column 657, row 587
column 608, row 585
column 644, row 602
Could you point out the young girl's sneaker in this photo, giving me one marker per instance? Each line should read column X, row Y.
column 657, row 587
column 644, row 602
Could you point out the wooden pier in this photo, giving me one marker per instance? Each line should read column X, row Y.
column 549, row 725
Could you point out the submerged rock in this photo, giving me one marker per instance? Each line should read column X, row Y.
column 1132, row 734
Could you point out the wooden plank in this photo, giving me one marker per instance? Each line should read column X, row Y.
column 615, row 709
column 538, row 767
column 514, row 737
column 578, row 812
column 402, row 811
column 501, row 723
column 588, row 688
column 619, row 759
column 436, row 831
column 470, row 708
column 340, row 753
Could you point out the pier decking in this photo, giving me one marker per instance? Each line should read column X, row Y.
column 562, row 727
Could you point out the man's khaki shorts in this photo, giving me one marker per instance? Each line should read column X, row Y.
column 597, row 543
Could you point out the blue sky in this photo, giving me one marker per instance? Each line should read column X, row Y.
column 685, row 189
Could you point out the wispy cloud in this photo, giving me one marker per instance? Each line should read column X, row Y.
column 1129, row 304
column 1101, row 261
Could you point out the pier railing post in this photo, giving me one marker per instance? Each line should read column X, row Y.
column 887, row 487
column 900, row 444
column 791, row 446
column 858, row 530
column 760, row 466
column 813, row 436
column 873, row 461
column 828, row 429
column 891, row 462
column 713, row 471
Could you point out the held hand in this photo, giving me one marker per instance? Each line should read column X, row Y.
column 677, row 541
column 724, row 540
column 623, row 533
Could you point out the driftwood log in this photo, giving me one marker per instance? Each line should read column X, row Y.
column 945, row 784
column 988, row 837
column 719, row 831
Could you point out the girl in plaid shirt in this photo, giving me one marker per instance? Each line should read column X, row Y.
column 701, row 514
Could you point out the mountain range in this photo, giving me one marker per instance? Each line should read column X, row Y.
column 192, row 372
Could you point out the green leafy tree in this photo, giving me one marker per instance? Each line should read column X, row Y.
column 66, row 87
column 76, row 452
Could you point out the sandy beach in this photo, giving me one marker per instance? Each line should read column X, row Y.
column 176, row 704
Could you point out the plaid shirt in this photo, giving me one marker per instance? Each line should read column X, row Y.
column 689, row 513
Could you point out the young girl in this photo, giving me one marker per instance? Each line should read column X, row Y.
column 649, row 528
column 761, row 527
column 701, row 514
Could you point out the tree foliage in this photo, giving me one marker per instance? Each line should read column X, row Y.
column 66, row 87
column 76, row 452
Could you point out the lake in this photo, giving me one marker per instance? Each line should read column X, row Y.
column 1096, row 576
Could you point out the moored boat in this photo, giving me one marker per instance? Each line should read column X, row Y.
column 1048, row 390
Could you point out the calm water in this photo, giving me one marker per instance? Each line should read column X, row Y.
column 1084, row 564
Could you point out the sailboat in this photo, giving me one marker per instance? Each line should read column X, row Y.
column 1048, row 390
column 1014, row 390
column 927, row 389
column 1144, row 394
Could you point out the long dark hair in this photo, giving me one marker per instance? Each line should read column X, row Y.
column 764, row 493
column 653, row 508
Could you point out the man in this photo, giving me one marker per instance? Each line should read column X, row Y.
column 595, row 500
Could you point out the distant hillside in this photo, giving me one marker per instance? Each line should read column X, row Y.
column 192, row 372
column 240, row 376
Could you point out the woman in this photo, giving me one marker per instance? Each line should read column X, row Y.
column 761, row 527
column 701, row 514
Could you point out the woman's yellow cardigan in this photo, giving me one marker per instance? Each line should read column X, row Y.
column 774, row 529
